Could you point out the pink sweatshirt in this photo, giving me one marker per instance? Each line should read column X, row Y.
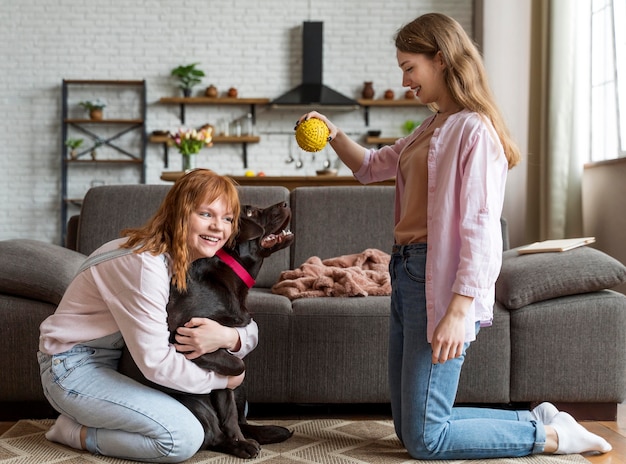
column 467, row 172
column 129, row 294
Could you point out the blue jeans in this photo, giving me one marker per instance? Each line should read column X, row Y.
column 423, row 393
column 124, row 418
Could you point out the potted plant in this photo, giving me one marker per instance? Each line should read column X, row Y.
column 94, row 107
column 73, row 144
column 188, row 76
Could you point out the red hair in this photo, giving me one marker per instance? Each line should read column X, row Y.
column 167, row 230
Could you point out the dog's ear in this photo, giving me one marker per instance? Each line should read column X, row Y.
column 248, row 229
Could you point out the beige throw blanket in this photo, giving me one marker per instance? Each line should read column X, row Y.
column 360, row 274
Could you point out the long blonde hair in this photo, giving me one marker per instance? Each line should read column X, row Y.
column 167, row 230
column 464, row 71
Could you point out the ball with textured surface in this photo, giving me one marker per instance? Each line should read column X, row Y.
column 312, row 134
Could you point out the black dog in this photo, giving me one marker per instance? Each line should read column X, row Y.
column 216, row 291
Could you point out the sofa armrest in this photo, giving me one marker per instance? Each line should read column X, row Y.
column 36, row 270
column 528, row 278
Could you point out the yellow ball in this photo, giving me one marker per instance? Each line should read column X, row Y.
column 312, row 134
column 249, row 173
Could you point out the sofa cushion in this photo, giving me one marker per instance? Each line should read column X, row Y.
column 36, row 270
column 528, row 278
column 335, row 221
column 108, row 209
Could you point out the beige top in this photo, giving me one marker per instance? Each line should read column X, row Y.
column 411, row 228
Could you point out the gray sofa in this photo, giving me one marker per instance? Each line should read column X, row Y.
column 558, row 333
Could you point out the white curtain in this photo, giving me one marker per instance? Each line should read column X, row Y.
column 567, row 132
column 559, row 110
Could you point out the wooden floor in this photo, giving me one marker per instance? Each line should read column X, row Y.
column 614, row 432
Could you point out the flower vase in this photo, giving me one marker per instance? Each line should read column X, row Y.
column 189, row 162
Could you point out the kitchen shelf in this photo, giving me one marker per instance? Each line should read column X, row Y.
column 380, row 141
column 183, row 101
column 244, row 140
column 104, row 161
column 386, row 103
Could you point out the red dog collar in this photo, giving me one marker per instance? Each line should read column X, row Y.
column 236, row 267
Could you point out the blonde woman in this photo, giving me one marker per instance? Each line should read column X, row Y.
column 450, row 181
column 119, row 300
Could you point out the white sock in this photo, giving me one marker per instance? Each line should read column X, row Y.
column 65, row 431
column 545, row 412
column 574, row 438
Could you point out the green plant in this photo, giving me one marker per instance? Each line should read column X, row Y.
column 73, row 143
column 93, row 104
column 410, row 125
column 188, row 75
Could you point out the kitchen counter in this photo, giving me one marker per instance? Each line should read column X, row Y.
column 290, row 182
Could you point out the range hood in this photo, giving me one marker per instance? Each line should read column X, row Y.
column 312, row 92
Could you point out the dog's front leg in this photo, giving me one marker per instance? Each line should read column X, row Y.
column 222, row 362
column 235, row 443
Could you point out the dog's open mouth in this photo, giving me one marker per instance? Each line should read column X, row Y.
column 274, row 239
column 280, row 235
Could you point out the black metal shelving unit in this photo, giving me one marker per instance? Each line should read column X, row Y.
column 93, row 130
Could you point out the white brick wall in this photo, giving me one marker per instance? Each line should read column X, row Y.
column 249, row 44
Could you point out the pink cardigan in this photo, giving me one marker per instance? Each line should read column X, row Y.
column 467, row 172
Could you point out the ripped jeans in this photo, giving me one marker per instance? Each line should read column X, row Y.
column 124, row 418
column 423, row 393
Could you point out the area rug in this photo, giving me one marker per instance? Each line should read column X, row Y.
column 325, row 441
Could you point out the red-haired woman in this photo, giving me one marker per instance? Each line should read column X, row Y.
column 120, row 301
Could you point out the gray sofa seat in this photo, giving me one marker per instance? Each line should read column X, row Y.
column 562, row 341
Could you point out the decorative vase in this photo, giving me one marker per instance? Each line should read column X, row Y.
column 95, row 114
column 368, row 90
column 189, row 162
column 211, row 91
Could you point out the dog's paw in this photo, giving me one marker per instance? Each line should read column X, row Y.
column 246, row 449
column 266, row 434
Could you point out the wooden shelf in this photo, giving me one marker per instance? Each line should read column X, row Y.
column 216, row 139
column 289, row 182
column 103, row 82
column 214, row 101
column 183, row 101
column 386, row 103
column 104, row 161
column 380, row 141
column 390, row 103
column 103, row 121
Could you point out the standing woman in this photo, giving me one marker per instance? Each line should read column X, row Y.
column 121, row 301
column 450, row 182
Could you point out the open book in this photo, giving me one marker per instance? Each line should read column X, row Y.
column 556, row 245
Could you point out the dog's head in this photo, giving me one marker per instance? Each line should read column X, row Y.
column 262, row 232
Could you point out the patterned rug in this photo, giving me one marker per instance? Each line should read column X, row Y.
column 327, row 441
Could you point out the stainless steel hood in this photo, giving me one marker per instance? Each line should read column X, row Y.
column 312, row 92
